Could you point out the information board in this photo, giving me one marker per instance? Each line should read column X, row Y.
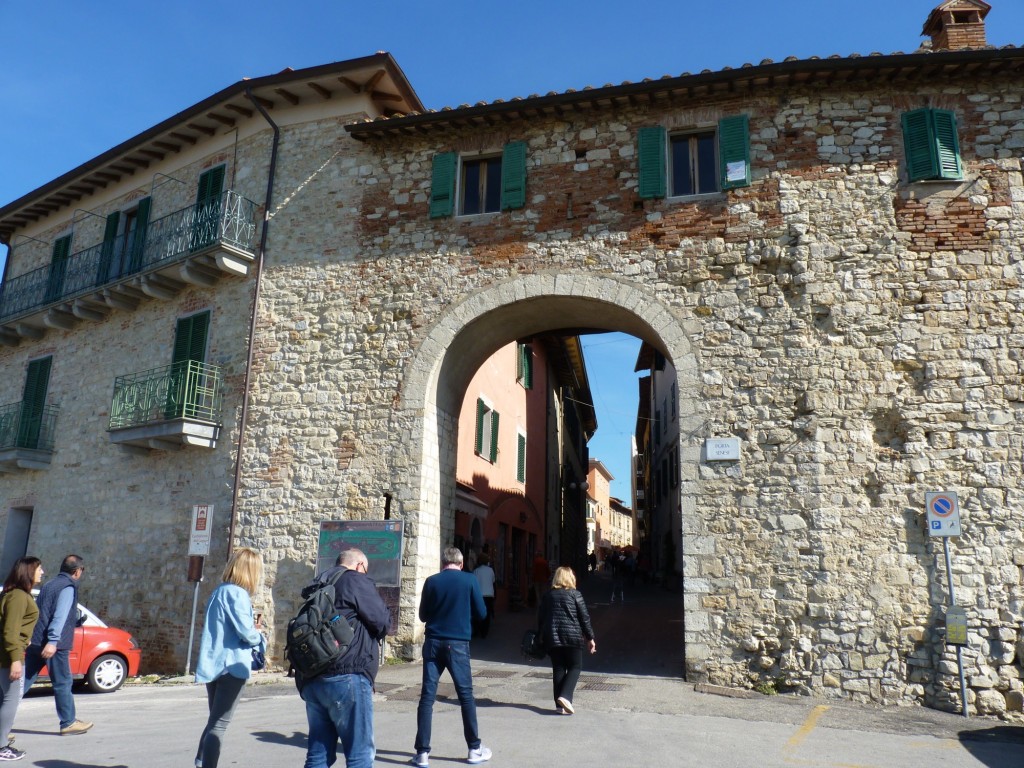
column 380, row 541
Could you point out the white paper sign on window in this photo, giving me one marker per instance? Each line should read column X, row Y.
column 736, row 171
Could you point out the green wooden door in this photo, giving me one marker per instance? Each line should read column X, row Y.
column 33, row 403
column 206, row 224
column 189, row 347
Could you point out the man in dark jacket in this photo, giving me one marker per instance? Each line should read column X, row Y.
column 53, row 638
column 339, row 702
column 450, row 602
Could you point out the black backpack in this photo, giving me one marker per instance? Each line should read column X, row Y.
column 318, row 635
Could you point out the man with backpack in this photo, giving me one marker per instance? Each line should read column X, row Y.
column 339, row 700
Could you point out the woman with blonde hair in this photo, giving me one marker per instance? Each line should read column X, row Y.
column 230, row 633
column 564, row 623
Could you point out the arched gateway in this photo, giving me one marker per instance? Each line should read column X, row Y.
column 462, row 339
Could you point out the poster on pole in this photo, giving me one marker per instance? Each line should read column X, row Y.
column 199, row 535
column 381, row 541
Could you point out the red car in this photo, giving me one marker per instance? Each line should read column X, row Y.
column 102, row 656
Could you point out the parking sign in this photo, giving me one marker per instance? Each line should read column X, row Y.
column 943, row 513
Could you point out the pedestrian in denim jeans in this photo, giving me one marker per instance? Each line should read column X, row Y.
column 450, row 602
column 339, row 702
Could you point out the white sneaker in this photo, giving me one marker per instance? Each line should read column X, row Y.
column 421, row 760
column 479, row 755
column 565, row 704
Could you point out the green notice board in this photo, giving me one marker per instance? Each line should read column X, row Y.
column 380, row 540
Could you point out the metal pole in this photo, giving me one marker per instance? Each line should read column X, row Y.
column 959, row 649
column 192, row 630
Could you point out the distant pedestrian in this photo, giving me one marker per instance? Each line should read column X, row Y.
column 617, row 561
column 592, row 561
column 230, row 632
column 18, row 615
column 450, row 601
column 564, row 624
column 53, row 638
column 339, row 702
column 485, row 578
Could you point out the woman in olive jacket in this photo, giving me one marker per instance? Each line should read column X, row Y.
column 18, row 615
column 564, row 623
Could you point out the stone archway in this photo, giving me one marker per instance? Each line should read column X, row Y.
column 461, row 340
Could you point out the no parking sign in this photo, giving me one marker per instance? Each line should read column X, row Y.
column 943, row 513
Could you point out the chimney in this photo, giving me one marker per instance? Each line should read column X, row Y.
column 957, row 24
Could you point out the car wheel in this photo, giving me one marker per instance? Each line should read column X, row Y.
column 107, row 673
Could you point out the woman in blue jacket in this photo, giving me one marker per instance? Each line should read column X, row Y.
column 225, row 652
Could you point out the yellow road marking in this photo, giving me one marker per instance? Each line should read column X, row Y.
column 805, row 730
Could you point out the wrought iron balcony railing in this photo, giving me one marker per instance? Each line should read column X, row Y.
column 229, row 220
column 189, row 390
column 24, row 426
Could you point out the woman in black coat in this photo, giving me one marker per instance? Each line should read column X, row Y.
column 565, row 626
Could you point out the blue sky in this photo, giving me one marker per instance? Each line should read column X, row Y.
column 79, row 78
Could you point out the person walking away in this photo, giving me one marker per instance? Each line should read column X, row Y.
column 485, row 578
column 53, row 638
column 18, row 616
column 450, row 601
column 230, row 632
column 339, row 702
column 540, row 576
column 618, row 564
column 564, row 624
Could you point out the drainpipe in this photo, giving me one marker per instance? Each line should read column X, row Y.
column 244, row 417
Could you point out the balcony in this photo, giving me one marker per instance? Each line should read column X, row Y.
column 168, row 408
column 26, row 436
column 194, row 246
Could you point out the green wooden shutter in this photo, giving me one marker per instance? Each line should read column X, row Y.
column 494, row 436
column 442, row 185
column 651, row 148
column 33, row 402
column 524, row 366
column 189, row 345
column 138, row 254
column 481, row 409
column 206, row 224
column 190, row 338
column 58, row 268
column 734, row 149
column 109, row 248
column 947, row 144
column 521, row 459
column 918, row 144
column 513, row 175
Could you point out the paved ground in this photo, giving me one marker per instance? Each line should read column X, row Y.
column 629, row 713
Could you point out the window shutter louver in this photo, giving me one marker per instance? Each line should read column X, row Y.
column 109, row 246
column 947, row 145
column 494, row 436
column 33, row 402
column 442, row 185
column 211, row 184
column 918, row 144
column 481, row 409
column 651, row 149
column 733, row 149
column 190, row 338
column 521, row 459
column 513, row 175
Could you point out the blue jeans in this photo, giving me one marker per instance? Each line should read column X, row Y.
column 59, row 668
column 439, row 655
column 339, row 707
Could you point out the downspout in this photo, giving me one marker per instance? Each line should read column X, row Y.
column 244, row 417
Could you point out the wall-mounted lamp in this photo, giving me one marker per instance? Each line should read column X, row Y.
column 583, row 486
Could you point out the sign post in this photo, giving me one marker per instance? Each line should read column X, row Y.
column 943, row 511
column 198, row 549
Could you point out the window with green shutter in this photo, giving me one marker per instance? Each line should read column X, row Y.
column 206, row 221
column 513, row 175
column 135, row 232
column 521, row 457
column 58, row 268
column 931, row 145
column 442, row 185
column 486, row 443
column 651, row 161
column 33, row 402
column 108, row 251
column 696, row 162
column 524, row 365
column 189, row 346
